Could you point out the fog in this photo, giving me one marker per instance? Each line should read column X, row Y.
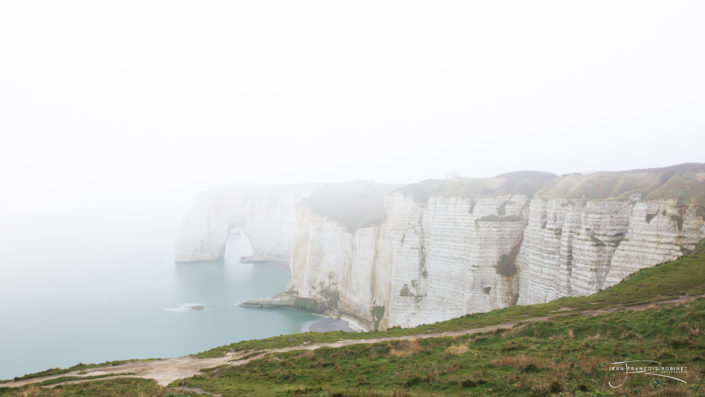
column 114, row 114
column 118, row 109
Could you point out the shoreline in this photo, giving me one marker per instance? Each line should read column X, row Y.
column 342, row 321
column 281, row 264
column 282, row 301
column 284, row 265
column 329, row 324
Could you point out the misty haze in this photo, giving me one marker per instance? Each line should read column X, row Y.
column 372, row 198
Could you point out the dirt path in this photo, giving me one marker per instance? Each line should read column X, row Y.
column 168, row 370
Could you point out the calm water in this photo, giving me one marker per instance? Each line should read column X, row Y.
column 61, row 304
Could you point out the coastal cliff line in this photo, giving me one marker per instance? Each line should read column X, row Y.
column 387, row 256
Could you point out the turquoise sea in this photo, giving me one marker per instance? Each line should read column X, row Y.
column 93, row 295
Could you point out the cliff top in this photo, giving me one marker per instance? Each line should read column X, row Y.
column 353, row 205
column 519, row 182
column 685, row 182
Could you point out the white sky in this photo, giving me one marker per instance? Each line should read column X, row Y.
column 161, row 96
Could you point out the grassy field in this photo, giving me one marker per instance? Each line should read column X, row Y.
column 77, row 367
column 568, row 355
column 128, row 387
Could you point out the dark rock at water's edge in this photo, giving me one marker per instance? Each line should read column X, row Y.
column 288, row 301
column 329, row 324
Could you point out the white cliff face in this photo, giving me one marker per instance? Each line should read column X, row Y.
column 427, row 262
column 659, row 231
column 574, row 248
column 266, row 214
column 450, row 256
column 454, row 257
column 339, row 267
column 568, row 247
column 442, row 249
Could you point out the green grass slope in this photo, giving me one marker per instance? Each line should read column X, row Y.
column 122, row 387
column 568, row 356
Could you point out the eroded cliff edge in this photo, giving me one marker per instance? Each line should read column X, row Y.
column 441, row 249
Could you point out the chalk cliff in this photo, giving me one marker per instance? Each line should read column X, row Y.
column 443, row 249
column 389, row 256
column 267, row 214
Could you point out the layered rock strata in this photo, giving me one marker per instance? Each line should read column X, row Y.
column 442, row 249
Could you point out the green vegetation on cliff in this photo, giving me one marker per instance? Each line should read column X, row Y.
column 353, row 205
column 520, row 182
column 684, row 182
column 569, row 355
